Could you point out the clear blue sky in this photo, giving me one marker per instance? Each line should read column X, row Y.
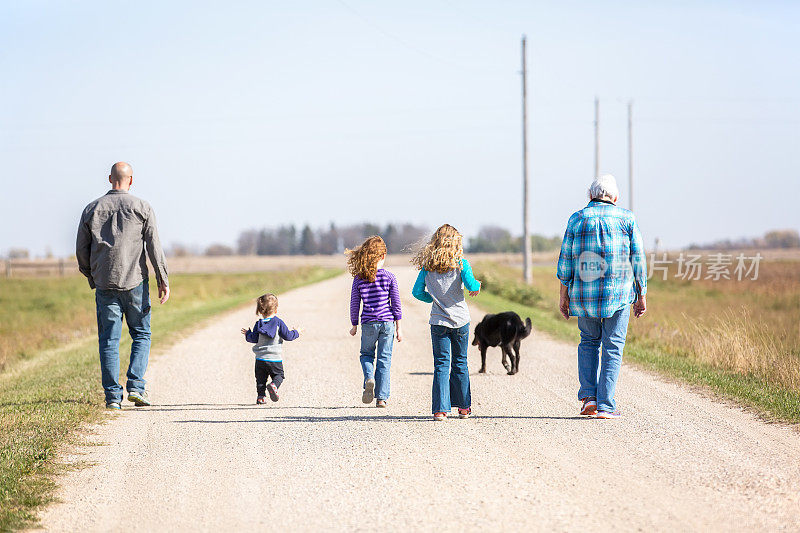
column 249, row 114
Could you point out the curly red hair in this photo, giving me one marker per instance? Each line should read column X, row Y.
column 363, row 261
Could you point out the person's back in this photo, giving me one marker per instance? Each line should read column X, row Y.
column 271, row 332
column 121, row 230
column 375, row 293
column 268, row 335
column 380, row 298
column 443, row 276
column 600, row 248
column 116, row 233
column 602, row 271
column 447, row 291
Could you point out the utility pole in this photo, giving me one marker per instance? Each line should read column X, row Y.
column 526, row 233
column 596, row 137
column 630, row 154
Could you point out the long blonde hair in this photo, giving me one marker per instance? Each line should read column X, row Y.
column 362, row 262
column 442, row 253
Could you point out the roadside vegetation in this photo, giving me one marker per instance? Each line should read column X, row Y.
column 49, row 381
column 494, row 240
column 740, row 339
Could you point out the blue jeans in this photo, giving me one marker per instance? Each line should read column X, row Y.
column 111, row 307
column 378, row 335
column 600, row 356
column 450, row 372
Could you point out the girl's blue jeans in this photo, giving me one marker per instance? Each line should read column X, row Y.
column 112, row 306
column 450, row 372
column 377, row 339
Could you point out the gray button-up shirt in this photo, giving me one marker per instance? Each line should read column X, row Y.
column 115, row 234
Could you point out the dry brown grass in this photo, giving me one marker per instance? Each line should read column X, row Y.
column 734, row 341
column 750, row 327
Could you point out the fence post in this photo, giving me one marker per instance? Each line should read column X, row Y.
column 61, row 267
column 8, row 268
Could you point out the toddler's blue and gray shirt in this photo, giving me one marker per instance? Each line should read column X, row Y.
column 268, row 335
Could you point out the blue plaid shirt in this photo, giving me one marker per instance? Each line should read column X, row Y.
column 602, row 260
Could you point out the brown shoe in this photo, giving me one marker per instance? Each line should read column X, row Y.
column 380, row 403
column 369, row 391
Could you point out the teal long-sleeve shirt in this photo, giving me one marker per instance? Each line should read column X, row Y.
column 445, row 292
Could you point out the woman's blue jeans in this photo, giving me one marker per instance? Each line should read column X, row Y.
column 600, row 356
column 377, row 340
column 134, row 305
column 450, row 372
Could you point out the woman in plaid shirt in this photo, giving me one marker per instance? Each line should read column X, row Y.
column 602, row 270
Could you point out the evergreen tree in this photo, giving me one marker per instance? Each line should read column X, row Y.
column 308, row 242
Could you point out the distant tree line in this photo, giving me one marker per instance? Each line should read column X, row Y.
column 18, row 253
column 494, row 239
column 333, row 239
column 288, row 240
column 787, row 238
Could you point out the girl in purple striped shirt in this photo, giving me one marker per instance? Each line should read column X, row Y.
column 375, row 293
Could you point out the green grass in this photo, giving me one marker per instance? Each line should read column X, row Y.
column 48, row 394
column 543, row 320
column 646, row 346
column 25, row 304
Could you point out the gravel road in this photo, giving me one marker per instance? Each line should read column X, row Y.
column 206, row 458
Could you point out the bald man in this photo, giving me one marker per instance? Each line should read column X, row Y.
column 116, row 234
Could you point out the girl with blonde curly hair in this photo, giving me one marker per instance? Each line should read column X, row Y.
column 443, row 276
column 375, row 294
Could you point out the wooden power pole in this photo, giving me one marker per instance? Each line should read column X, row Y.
column 630, row 154
column 596, row 137
column 526, row 232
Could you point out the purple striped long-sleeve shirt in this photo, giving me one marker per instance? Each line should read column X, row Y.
column 381, row 299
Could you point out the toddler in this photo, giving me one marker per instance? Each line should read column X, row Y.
column 268, row 334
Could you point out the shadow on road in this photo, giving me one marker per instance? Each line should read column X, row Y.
column 377, row 418
column 234, row 407
column 471, row 374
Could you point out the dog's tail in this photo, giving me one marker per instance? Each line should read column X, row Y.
column 528, row 327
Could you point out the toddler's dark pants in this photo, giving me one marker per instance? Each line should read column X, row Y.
column 267, row 369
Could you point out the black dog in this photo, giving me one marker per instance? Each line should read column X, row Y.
column 505, row 330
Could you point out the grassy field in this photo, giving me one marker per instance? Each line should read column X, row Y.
column 50, row 385
column 741, row 339
column 36, row 314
